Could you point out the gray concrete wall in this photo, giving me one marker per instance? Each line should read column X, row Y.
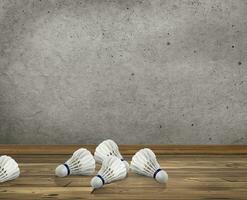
column 171, row 72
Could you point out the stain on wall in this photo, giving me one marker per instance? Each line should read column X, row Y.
column 171, row 72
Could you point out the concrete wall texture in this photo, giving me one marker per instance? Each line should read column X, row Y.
column 136, row 71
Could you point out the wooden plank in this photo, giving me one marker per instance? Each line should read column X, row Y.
column 177, row 180
column 125, row 149
column 162, row 158
column 110, row 192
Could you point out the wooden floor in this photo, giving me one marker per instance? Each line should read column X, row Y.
column 195, row 172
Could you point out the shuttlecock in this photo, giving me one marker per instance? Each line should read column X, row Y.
column 108, row 148
column 112, row 169
column 81, row 163
column 9, row 169
column 144, row 162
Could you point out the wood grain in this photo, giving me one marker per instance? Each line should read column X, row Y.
column 192, row 175
column 125, row 149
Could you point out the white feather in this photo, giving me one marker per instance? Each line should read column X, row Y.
column 81, row 163
column 108, row 148
column 9, row 169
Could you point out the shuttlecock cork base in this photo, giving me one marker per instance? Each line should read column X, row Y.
column 97, row 182
column 161, row 176
column 62, row 170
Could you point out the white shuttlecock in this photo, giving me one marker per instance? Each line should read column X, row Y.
column 81, row 163
column 144, row 162
column 108, row 148
column 9, row 169
column 112, row 169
